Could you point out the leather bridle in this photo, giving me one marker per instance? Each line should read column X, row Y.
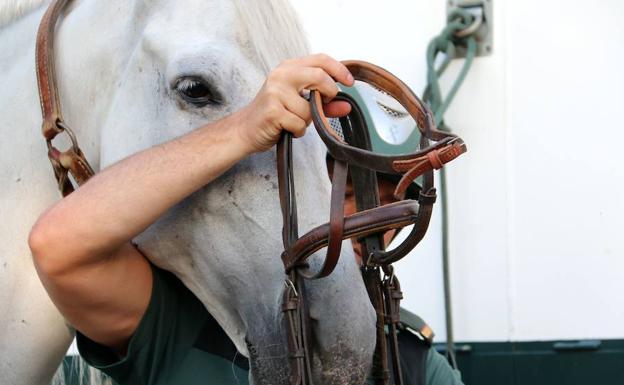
column 352, row 156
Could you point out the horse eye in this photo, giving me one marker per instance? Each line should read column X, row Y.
column 197, row 91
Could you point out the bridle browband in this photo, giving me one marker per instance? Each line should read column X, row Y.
column 352, row 156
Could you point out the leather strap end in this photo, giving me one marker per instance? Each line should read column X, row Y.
column 77, row 164
column 434, row 160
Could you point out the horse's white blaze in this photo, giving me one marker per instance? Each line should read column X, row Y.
column 117, row 62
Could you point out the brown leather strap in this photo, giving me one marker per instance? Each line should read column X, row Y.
column 373, row 221
column 434, row 160
column 46, row 75
column 73, row 161
column 372, row 280
column 336, row 220
column 286, row 184
column 393, row 297
column 291, row 306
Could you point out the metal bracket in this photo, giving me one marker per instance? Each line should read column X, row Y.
column 484, row 34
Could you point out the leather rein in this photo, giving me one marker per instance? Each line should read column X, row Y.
column 352, row 156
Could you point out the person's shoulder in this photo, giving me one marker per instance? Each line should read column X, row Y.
column 417, row 326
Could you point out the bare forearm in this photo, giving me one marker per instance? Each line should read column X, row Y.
column 124, row 199
column 100, row 283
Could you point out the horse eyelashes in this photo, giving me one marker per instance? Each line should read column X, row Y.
column 197, row 91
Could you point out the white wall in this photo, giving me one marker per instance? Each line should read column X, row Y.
column 536, row 204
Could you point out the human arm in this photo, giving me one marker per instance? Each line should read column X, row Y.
column 81, row 246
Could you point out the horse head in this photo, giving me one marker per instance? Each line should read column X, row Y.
column 169, row 67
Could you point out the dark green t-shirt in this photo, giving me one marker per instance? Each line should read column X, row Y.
column 179, row 343
column 176, row 343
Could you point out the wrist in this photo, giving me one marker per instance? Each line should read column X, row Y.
column 237, row 124
column 228, row 136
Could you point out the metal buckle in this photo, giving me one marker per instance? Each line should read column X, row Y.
column 63, row 128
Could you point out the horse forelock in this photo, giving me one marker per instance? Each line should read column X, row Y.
column 11, row 10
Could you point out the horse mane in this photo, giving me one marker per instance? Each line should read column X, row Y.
column 273, row 26
column 11, row 10
column 274, row 29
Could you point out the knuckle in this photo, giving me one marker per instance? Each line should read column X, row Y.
column 277, row 74
column 272, row 92
column 300, row 130
column 323, row 57
column 273, row 109
column 287, row 63
column 306, row 116
column 319, row 76
column 329, row 92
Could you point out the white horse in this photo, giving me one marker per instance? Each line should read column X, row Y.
column 124, row 67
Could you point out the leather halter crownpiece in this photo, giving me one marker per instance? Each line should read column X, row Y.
column 73, row 160
column 351, row 157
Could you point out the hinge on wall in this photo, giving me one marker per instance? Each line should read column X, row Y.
column 484, row 35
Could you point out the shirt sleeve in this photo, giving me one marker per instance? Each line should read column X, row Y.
column 168, row 329
column 439, row 372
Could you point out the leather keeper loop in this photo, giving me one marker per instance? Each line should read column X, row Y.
column 290, row 305
column 428, row 198
column 434, row 159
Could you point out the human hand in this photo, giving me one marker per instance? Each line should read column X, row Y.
column 279, row 105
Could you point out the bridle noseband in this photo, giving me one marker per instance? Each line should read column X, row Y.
column 352, row 156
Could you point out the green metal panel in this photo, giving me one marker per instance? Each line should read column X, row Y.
column 542, row 363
